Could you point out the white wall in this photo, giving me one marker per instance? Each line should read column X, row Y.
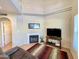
column 62, row 21
column 33, row 19
column 23, row 30
column 20, row 27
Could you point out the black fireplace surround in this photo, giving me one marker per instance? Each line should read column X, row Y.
column 34, row 38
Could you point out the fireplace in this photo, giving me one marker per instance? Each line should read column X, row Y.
column 34, row 38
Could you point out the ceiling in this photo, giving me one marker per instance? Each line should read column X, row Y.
column 6, row 6
column 33, row 6
column 54, row 5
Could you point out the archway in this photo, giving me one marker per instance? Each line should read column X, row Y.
column 5, row 32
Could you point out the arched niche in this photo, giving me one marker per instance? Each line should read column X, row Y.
column 5, row 32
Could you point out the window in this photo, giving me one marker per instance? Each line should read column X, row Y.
column 76, row 32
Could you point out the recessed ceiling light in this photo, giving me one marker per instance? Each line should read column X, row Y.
column 0, row 7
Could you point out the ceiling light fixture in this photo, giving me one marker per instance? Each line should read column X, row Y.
column 0, row 7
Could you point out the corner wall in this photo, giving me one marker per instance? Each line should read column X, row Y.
column 74, row 13
column 62, row 21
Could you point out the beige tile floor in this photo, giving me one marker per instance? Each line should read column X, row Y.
column 25, row 46
column 7, row 47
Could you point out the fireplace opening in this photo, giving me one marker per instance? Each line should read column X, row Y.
column 34, row 38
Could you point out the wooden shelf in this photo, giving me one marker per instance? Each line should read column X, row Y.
column 53, row 43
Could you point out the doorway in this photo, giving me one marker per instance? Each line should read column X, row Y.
column 6, row 32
